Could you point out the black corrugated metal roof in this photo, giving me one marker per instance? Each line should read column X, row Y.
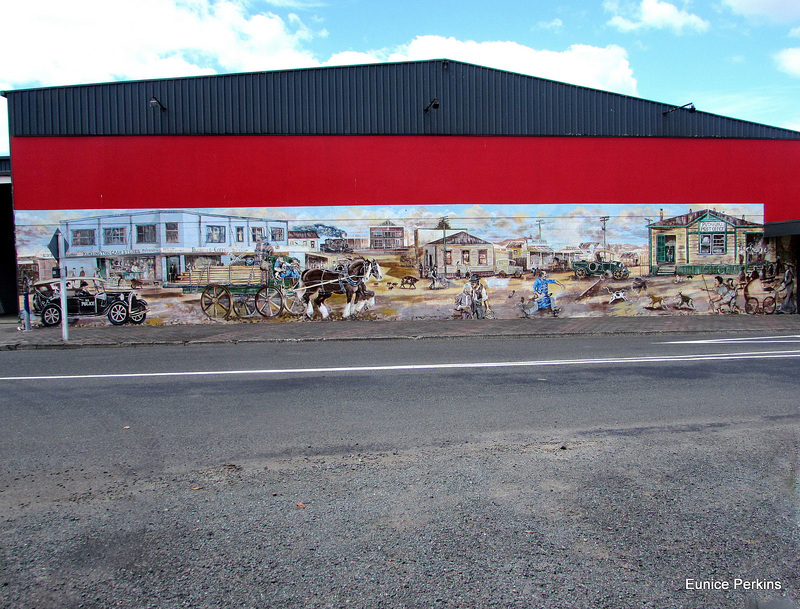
column 433, row 97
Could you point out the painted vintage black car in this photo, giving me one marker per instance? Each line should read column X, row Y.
column 88, row 297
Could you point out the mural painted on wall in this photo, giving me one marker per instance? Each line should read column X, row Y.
column 418, row 262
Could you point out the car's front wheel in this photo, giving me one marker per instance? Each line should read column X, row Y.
column 118, row 313
column 138, row 316
column 51, row 315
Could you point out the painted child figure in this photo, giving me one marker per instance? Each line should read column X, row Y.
column 479, row 296
column 463, row 303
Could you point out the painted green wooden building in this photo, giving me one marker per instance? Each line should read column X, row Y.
column 704, row 242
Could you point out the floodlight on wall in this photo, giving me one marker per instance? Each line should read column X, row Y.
column 155, row 104
column 434, row 103
column 690, row 107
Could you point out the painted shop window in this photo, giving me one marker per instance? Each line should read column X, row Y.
column 146, row 233
column 172, row 235
column 83, row 236
column 215, row 234
column 240, row 234
column 465, row 256
column 277, row 234
column 448, row 257
column 665, row 249
column 378, row 244
column 256, row 234
column 712, row 244
column 482, row 256
column 114, row 236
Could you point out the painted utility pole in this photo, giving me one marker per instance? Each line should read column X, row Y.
column 444, row 222
column 604, row 219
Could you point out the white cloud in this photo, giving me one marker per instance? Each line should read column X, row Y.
column 795, row 31
column 349, row 58
column 555, row 24
column 788, row 60
column 777, row 10
column 598, row 67
column 97, row 40
column 792, row 124
column 655, row 14
column 295, row 4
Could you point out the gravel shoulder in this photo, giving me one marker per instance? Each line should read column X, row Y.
column 610, row 518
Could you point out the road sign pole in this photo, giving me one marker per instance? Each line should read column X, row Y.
column 62, row 285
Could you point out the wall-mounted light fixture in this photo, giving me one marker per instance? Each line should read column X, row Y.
column 690, row 107
column 434, row 103
column 155, row 104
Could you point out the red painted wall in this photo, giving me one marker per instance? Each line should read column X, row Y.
column 271, row 171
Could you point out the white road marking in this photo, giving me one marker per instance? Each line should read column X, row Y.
column 718, row 341
column 467, row 365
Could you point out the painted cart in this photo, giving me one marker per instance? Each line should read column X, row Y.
column 759, row 298
column 269, row 288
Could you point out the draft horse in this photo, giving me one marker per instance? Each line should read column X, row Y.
column 349, row 279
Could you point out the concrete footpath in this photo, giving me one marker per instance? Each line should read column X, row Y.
column 103, row 334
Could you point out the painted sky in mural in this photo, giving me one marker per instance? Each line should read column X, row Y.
column 559, row 225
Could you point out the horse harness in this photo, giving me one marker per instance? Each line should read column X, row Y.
column 344, row 275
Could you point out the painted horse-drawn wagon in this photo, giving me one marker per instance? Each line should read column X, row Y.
column 270, row 287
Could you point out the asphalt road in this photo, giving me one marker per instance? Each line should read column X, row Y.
column 580, row 472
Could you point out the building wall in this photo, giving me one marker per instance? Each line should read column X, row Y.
column 495, row 187
column 275, row 171
column 8, row 272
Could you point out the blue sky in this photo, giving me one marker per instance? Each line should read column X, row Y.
column 560, row 224
column 738, row 58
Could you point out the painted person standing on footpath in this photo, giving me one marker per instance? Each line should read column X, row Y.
column 789, row 305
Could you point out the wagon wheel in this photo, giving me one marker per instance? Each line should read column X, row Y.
column 769, row 305
column 293, row 300
column 269, row 302
column 751, row 306
column 216, row 301
column 244, row 305
column 580, row 273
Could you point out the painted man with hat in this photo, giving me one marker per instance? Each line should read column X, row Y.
column 479, row 297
